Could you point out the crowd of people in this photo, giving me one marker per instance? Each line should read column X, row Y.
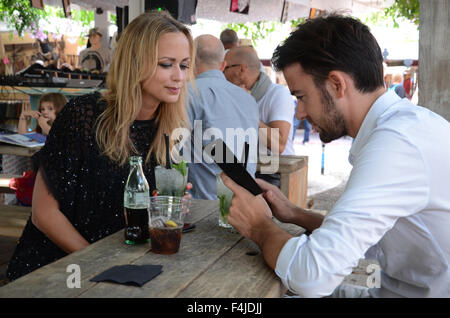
column 95, row 58
column 395, row 206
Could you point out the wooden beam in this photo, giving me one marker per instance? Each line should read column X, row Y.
column 434, row 67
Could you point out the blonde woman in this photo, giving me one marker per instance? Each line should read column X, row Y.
column 78, row 194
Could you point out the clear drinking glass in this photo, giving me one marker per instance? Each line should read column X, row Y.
column 166, row 220
column 224, row 195
column 170, row 182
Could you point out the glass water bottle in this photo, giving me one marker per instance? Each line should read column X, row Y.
column 136, row 200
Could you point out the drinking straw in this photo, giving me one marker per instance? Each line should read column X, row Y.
column 246, row 151
column 168, row 161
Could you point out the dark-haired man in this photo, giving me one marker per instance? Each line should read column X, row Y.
column 229, row 39
column 396, row 205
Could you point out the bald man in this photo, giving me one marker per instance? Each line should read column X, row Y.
column 397, row 85
column 217, row 104
column 276, row 105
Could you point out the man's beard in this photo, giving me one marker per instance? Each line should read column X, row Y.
column 333, row 121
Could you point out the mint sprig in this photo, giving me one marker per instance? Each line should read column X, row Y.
column 181, row 167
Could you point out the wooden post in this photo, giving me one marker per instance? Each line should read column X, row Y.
column 434, row 61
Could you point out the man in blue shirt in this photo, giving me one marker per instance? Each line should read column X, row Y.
column 217, row 109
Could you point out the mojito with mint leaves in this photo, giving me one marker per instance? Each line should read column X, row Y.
column 172, row 182
column 224, row 195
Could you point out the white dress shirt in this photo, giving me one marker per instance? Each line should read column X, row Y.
column 396, row 207
column 277, row 104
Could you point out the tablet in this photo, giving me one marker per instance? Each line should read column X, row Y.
column 227, row 161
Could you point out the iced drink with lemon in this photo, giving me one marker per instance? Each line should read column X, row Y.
column 166, row 240
column 166, row 220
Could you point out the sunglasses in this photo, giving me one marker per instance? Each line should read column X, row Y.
column 227, row 67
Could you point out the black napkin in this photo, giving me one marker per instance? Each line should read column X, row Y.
column 136, row 275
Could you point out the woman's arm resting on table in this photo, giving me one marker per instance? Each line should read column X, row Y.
column 47, row 217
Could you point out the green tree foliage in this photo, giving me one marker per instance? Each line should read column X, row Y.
column 295, row 23
column 20, row 15
column 113, row 18
column 86, row 17
column 408, row 9
column 254, row 30
column 262, row 29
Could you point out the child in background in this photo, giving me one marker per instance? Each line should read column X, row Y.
column 49, row 107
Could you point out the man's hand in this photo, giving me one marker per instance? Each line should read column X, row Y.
column 287, row 212
column 251, row 216
column 282, row 208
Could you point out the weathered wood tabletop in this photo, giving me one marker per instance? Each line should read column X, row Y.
column 212, row 262
column 6, row 149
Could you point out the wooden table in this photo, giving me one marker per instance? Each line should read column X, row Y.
column 13, row 219
column 212, row 262
column 36, row 93
column 6, row 149
column 293, row 172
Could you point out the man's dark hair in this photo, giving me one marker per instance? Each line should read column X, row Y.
column 229, row 36
column 334, row 42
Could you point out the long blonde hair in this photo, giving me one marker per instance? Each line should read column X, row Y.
column 135, row 59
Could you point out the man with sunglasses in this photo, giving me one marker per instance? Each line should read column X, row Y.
column 276, row 105
column 216, row 105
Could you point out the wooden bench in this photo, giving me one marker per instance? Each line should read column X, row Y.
column 293, row 172
column 13, row 219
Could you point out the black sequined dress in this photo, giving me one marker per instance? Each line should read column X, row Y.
column 88, row 186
